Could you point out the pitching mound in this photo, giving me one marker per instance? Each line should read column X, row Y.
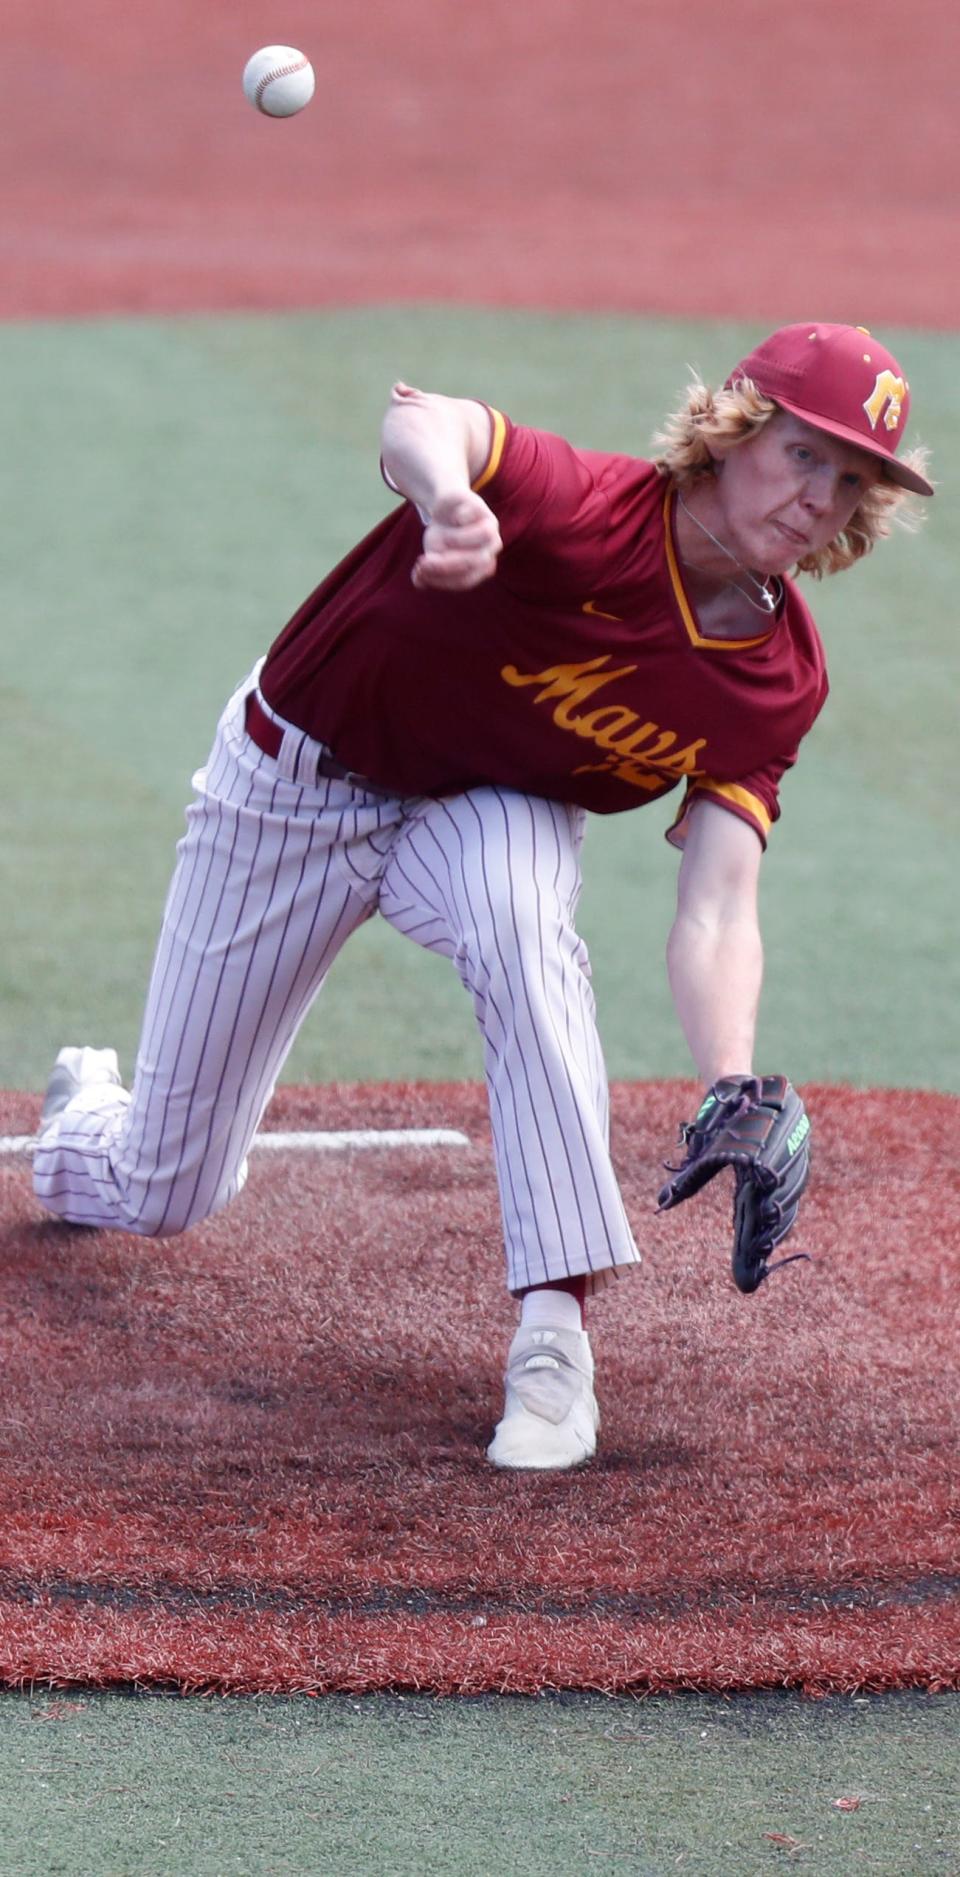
column 252, row 1458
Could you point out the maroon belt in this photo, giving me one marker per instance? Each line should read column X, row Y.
column 267, row 734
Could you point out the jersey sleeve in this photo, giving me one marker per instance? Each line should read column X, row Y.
column 552, row 505
column 754, row 798
column 537, row 484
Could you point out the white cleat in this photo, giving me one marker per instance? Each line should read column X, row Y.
column 77, row 1069
column 550, row 1416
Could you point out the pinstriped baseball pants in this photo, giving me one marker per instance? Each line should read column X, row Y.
column 275, row 871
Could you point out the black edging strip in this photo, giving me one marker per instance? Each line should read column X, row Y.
column 800, row 1599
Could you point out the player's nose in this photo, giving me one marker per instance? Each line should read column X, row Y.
column 821, row 490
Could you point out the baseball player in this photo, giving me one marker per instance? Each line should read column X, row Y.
column 535, row 631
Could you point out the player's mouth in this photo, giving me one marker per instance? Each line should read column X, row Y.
column 793, row 535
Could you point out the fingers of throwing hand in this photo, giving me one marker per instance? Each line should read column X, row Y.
column 454, row 572
column 460, row 547
column 472, row 526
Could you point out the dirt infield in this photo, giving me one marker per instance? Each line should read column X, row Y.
column 243, row 1460
column 745, row 161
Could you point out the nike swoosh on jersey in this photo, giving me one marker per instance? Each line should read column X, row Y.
column 595, row 612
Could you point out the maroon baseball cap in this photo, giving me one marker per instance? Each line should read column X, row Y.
column 839, row 379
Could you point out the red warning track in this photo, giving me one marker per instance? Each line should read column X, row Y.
column 252, row 1458
column 743, row 161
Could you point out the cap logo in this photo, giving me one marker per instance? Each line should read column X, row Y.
column 886, row 400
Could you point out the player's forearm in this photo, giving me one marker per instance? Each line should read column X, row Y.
column 433, row 448
column 716, row 972
column 428, row 445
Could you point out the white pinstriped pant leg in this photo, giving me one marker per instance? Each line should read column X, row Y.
column 491, row 878
column 274, row 873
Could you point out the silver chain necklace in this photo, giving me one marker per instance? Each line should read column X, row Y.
column 769, row 597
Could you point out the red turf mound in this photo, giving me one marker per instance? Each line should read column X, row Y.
column 252, row 1458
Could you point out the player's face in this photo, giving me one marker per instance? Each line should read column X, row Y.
column 788, row 492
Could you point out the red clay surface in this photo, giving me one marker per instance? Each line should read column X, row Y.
column 252, row 1457
column 748, row 161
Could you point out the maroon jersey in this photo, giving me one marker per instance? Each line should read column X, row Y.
column 578, row 672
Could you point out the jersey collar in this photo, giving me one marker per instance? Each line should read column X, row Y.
column 685, row 609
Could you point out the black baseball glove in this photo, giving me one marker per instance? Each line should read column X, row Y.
column 760, row 1128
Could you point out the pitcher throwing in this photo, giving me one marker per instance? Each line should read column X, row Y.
column 536, row 631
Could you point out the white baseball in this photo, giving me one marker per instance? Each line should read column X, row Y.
column 278, row 80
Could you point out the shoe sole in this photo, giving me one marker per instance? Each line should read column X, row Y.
column 524, row 1443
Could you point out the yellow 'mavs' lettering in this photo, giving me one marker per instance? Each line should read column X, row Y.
column 574, row 682
column 639, row 747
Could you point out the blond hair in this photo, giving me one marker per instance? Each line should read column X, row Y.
column 739, row 412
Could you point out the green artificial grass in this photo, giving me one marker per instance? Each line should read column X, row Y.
column 142, row 1786
column 172, row 489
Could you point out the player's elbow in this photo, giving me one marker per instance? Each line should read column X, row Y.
column 727, row 900
column 709, row 931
